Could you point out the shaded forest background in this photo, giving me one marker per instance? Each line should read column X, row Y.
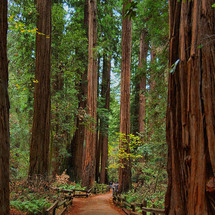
column 68, row 66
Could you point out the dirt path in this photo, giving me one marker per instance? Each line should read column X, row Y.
column 95, row 205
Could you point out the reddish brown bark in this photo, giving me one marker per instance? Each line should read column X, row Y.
column 78, row 138
column 4, row 113
column 125, row 171
column 39, row 149
column 55, row 163
column 142, row 88
column 191, row 109
column 89, row 161
column 105, row 95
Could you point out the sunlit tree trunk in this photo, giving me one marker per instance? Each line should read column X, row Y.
column 125, row 168
column 191, row 109
column 89, row 161
column 4, row 113
column 39, row 149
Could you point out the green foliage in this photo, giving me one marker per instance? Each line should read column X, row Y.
column 100, row 187
column 139, row 194
column 71, row 186
column 130, row 9
column 34, row 206
column 122, row 153
column 21, row 55
column 30, row 196
column 62, row 181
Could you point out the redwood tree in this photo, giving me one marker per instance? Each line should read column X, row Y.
column 4, row 113
column 125, row 168
column 89, row 162
column 79, row 136
column 39, row 149
column 105, row 95
column 191, row 109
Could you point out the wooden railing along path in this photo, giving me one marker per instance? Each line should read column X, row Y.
column 133, row 208
column 59, row 208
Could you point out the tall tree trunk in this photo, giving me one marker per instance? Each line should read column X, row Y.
column 77, row 142
column 89, row 162
column 55, row 163
column 56, row 127
column 78, row 139
column 191, row 109
column 98, row 131
column 4, row 114
column 142, row 89
column 125, row 170
column 39, row 149
column 105, row 95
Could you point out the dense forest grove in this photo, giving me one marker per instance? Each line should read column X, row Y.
column 114, row 92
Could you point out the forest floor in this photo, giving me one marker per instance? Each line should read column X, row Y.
column 94, row 205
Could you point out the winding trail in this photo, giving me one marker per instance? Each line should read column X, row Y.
column 94, row 205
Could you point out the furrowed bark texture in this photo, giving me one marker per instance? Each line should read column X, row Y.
column 39, row 149
column 4, row 114
column 125, row 171
column 191, row 109
column 89, row 161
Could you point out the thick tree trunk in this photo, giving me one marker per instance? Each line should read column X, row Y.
column 77, row 142
column 55, row 163
column 191, row 109
column 4, row 114
column 56, row 127
column 105, row 95
column 78, row 139
column 142, row 88
column 89, row 161
column 39, row 149
column 125, row 170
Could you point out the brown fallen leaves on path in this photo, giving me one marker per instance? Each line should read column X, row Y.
column 94, row 205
